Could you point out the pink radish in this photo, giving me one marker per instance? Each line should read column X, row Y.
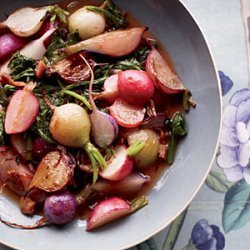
column 122, row 164
column 107, row 211
column 21, row 111
column 10, row 43
column 161, row 73
column 115, row 43
column 130, row 185
column 127, row 115
column 110, row 92
column 112, row 209
column 135, row 86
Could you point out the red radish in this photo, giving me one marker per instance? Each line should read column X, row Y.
column 135, row 86
column 21, row 111
column 10, row 43
column 110, row 92
column 164, row 78
column 21, row 145
column 107, row 211
column 120, row 167
column 130, row 185
column 115, row 43
column 127, row 115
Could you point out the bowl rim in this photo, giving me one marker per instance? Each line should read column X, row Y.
column 164, row 226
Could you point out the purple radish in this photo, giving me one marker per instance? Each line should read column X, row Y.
column 60, row 208
column 10, row 43
column 104, row 128
column 40, row 148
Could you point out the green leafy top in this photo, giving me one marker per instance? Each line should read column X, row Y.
column 57, row 11
column 115, row 16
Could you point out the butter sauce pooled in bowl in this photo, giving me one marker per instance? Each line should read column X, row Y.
column 115, row 117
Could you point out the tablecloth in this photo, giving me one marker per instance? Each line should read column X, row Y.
column 218, row 216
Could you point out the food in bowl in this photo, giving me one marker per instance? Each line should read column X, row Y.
column 90, row 109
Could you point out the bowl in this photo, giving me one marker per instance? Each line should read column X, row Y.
column 178, row 32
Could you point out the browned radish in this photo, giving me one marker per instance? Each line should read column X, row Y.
column 26, row 21
column 107, row 211
column 112, row 209
column 127, row 115
column 21, row 111
column 164, row 78
column 115, row 43
column 122, row 164
column 110, row 92
column 14, row 173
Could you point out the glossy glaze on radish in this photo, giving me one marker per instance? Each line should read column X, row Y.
column 21, row 111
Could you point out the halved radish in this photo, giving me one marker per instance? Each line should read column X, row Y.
column 127, row 115
column 107, row 211
column 130, row 185
column 115, row 43
column 26, row 21
column 135, row 86
column 164, row 78
column 21, row 111
column 110, row 87
column 120, row 166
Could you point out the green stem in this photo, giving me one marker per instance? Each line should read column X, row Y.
column 135, row 148
column 104, row 12
column 174, row 231
column 171, row 150
column 78, row 97
column 83, row 195
column 96, row 159
column 139, row 202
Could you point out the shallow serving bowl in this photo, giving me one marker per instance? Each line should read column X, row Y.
column 172, row 24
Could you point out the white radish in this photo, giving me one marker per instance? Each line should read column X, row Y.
column 86, row 23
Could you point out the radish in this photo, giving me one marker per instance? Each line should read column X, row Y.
column 26, row 21
column 10, row 43
column 111, row 91
column 114, row 43
column 122, row 164
column 127, row 115
column 161, row 73
column 104, row 129
column 130, row 185
column 86, row 23
column 135, row 86
column 40, row 148
column 22, row 110
column 112, row 209
column 35, row 50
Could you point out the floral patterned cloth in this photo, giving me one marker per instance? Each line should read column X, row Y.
column 219, row 215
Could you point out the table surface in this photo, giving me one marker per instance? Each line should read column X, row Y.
column 218, row 216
